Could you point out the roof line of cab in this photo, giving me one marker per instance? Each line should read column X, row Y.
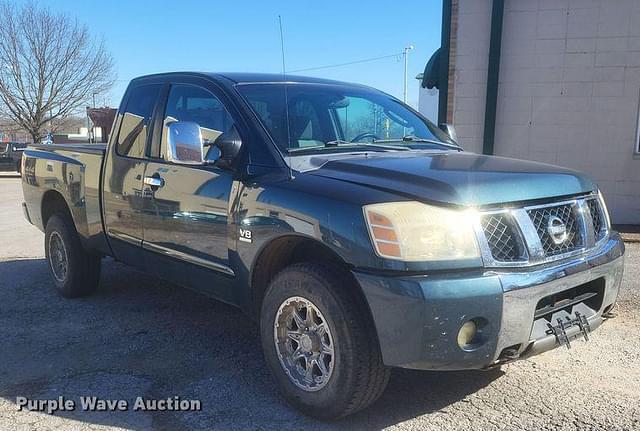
column 247, row 78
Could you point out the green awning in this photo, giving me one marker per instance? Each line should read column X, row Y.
column 431, row 75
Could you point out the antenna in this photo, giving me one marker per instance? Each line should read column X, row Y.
column 286, row 97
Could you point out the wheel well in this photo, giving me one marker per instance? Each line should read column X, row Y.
column 283, row 252
column 52, row 203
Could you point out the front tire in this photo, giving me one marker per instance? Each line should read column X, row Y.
column 75, row 271
column 319, row 342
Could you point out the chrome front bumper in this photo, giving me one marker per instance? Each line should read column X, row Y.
column 523, row 291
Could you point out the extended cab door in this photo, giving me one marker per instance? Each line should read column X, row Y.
column 124, row 171
column 187, row 216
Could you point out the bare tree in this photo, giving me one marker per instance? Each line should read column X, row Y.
column 50, row 67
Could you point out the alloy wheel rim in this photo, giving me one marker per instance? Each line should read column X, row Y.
column 304, row 344
column 58, row 258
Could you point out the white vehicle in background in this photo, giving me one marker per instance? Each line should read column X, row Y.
column 48, row 140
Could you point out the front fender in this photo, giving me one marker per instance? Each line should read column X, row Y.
column 270, row 212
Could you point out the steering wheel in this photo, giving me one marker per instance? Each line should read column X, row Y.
column 364, row 135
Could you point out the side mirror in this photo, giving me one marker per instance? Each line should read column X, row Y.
column 229, row 144
column 449, row 130
column 184, row 143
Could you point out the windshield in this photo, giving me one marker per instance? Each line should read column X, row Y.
column 326, row 117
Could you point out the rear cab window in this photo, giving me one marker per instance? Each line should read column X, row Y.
column 136, row 119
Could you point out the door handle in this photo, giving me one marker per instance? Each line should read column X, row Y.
column 154, row 182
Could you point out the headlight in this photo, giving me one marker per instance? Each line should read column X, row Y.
column 413, row 231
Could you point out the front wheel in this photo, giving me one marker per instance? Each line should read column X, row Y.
column 75, row 271
column 319, row 342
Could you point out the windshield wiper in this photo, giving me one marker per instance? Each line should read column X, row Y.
column 341, row 143
column 413, row 138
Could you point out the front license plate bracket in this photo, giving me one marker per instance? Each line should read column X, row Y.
column 560, row 329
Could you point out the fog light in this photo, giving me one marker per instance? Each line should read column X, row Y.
column 467, row 333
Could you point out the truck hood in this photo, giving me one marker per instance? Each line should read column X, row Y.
column 457, row 178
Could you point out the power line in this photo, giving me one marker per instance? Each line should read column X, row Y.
column 365, row 60
column 397, row 55
column 328, row 66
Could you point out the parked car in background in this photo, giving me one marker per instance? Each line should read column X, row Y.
column 48, row 139
column 356, row 232
column 11, row 156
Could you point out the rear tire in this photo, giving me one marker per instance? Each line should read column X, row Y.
column 75, row 271
column 356, row 375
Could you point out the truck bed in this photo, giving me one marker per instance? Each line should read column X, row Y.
column 72, row 172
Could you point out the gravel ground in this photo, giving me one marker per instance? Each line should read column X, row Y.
column 139, row 336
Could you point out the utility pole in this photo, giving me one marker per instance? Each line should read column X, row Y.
column 405, row 55
column 88, row 125
column 91, row 132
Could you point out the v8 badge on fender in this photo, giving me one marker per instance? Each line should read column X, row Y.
column 245, row 235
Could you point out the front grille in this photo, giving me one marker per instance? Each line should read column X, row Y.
column 4, row 148
column 528, row 235
column 596, row 218
column 503, row 242
column 541, row 218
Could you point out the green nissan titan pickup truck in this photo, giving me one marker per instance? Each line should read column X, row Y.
column 357, row 234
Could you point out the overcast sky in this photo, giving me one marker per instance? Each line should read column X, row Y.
column 147, row 37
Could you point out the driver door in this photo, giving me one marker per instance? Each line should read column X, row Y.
column 186, row 217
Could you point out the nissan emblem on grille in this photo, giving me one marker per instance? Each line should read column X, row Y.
column 557, row 230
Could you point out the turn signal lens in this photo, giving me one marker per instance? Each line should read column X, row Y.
column 385, row 237
column 379, row 220
column 413, row 231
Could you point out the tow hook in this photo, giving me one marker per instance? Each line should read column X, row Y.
column 609, row 313
column 510, row 354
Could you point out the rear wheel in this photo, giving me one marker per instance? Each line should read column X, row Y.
column 75, row 272
column 319, row 342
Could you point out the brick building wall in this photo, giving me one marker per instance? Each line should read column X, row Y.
column 468, row 76
column 569, row 88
